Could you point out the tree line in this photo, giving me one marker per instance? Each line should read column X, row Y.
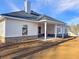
column 74, row 28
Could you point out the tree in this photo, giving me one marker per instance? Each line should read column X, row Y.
column 74, row 28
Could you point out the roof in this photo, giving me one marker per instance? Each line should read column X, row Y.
column 23, row 14
column 32, row 16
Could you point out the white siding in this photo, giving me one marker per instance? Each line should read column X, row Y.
column 50, row 28
column 2, row 28
column 14, row 28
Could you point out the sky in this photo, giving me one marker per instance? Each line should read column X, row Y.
column 64, row 10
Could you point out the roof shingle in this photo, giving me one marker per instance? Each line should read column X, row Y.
column 32, row 16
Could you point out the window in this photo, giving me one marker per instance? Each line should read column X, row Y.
column 24, row 30
column 59, row 30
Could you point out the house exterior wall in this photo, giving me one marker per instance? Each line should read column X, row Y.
column 2, row 28
column 2, row 31
column 50, row 28
column 14, row 28
column 11, row 30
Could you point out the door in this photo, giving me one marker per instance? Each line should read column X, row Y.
column 39, row 31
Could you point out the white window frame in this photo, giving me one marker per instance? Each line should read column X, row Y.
column 59, row 30
column 25, row 27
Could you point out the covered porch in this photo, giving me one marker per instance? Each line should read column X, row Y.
column 50, row 29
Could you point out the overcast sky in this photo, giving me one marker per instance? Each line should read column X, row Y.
column 64, row 10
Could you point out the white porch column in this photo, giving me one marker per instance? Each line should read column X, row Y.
column 62, row 31
column 45, row 29
column 55, row 30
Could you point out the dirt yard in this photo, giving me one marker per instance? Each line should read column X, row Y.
column 42, row 50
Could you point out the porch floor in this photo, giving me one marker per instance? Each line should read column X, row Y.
column 50, row 39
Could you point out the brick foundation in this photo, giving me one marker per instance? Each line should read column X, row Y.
column 19, row 39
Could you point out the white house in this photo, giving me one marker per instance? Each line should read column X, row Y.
column 28, row 24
